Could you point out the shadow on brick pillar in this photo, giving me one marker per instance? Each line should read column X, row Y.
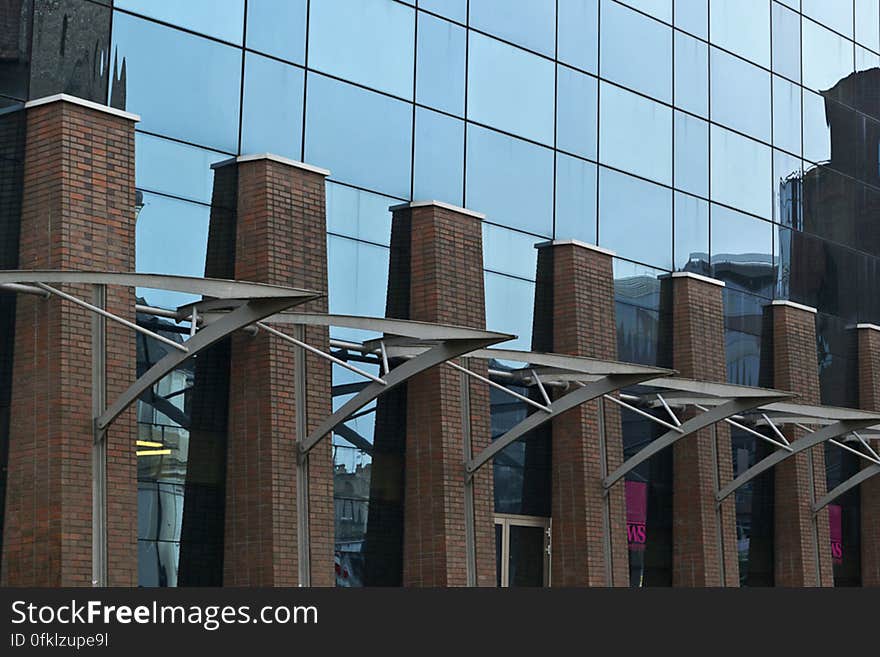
column 704, row 549
column 280, row 229
column 575, row 314
column 869, row 400
column 201, row 537
column 77, row 213
column 12, row 139
column 802, row 547
column 445, row 285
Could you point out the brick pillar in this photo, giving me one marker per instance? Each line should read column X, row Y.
column 869, row 400
column 699, row 466
column 280, row 239
column 795, row 369
column 445, row 274
column 77, row 213
column 574, row 314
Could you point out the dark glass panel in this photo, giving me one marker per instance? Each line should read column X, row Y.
column 526, row 566
column 15, row 30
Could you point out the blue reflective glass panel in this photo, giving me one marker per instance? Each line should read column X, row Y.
column 278, row 27
column 509, row 252
column 439, row 158
column 636, row 51
column 510, row 304
column 531, row 24
column 635, row 218
column 742, row 250
column 786, row 43
column 171, row 237
column 576, row 109
column 787, row 189
column 169, row 167
column 661, row 9
column 440, row 65
column 786, row 115
column 166, row 70
column 578, row 29
column 363, row 137
column 827, row 57
column 866, row 59
column 370, row 42
column 636, row 134
column 691, row 240
column 742, row 27
column 741, row 172
column 691, row 154
column 740, row 94
column 510, row 89
column 693, row 16
column 836, row 15
column 691, row 74
column 817, row 131
column 510, row 180
column 357, row 276
column 575, row 199
column 271, row 120
column 223, row 19
column 359, row 214
column 455, row 10
column 867, row 23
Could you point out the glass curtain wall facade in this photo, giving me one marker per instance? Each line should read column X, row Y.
column 734, row 138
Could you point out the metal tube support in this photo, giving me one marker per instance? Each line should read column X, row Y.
column 814, row 520
column 719, row 516
column 470, row 534
column 606, row 497
column 99, row 443
column 303, row 537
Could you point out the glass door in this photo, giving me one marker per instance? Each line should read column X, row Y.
column 522, row 550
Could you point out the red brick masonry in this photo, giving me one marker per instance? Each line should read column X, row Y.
column 869, row 400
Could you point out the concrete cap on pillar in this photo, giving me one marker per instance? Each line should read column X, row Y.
column 98, row 107
column 583, row 245
column 437, row 204
column 273, row 158
column 696, row 277
column 792, row 304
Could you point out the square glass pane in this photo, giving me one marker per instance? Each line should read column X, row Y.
column 578, row 33
column 370, row 42
column 510, row 306
column 693, row 16
column 364, row 138
column 575, row 199
column 271, row 120
column 357, row 275
column 742, row 27
column 439, row 157
column 169, row 167
column 636, row 51
column 827, row 57
column 691, row 74
column 440, row 65
column 636, row 134
column 691, row 240
column 740, row 95
column 576, row 112
column 786, row 115
column 510, row 180
column 359, row 214
column 223, row 19
column 509, row 252
column 510, row 89
column 741, row 172
column 278, row 28
column 635, row 218
column 786, row 43
column 166, row 70
column 691, row 154
column 530, row 24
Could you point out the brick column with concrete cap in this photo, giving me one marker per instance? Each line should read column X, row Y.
column 869, row 400
column 575, row 314
column 78, row 213
column 704, row 549
column 795, row 369
column 280, row 238
column 438, row 251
